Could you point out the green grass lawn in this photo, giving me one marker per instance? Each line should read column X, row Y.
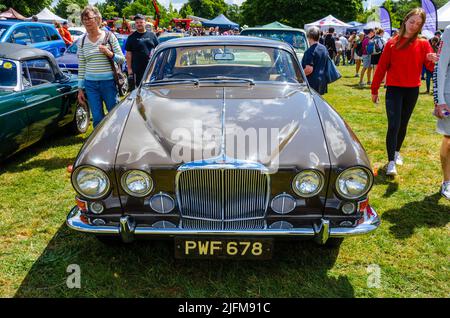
column 411, row 248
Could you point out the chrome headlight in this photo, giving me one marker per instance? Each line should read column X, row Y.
column 307, row 183
column 354, row 182
column 91, row 182
column 137, row 183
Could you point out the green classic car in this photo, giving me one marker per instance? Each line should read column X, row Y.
column 36, row 98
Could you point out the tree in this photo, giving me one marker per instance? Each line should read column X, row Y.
column 186, row 10
column 27, row 7
column 108, row 11
column 234, row 13
column 62, row 8
column 297, row 13
column 207, row 9
column 119, row 5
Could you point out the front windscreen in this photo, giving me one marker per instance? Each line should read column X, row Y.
column 246, row 62
column 295, row 38
column 8, row 74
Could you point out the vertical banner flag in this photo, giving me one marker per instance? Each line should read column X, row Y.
column 430, row 25
column 385, row 20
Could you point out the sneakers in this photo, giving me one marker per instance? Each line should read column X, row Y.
column 369, row 83
column 356, row 75
column 398, row 159
column 391, row 170
column 361, row 85
column 445, row 189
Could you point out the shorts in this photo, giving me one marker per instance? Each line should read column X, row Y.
column 375, row 58
column 366, row 61
column 443, row 124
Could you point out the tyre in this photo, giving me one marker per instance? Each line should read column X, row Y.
column 81, row 119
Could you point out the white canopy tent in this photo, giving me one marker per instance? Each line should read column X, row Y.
column 328, row 22
column 47, row 16
column 444, row 16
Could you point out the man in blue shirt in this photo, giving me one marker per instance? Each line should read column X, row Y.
column 314, row 62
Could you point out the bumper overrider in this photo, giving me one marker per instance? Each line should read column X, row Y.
column 76, row 220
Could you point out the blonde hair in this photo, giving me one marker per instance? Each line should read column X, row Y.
column 417, row 11
column 91, row 9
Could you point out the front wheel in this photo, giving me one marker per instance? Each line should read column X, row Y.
column 80, row 123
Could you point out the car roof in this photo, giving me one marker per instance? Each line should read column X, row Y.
column 19, row 22
column 273, row 29
column 224, row 40
column 20, row 52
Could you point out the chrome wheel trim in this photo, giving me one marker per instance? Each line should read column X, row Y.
column 81, row 118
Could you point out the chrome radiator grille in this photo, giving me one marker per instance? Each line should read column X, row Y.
column 218, row 199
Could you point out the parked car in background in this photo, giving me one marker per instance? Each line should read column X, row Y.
column 35, row 34
column 166, row 36
column 69, row 60
column 76, row 32
column 295, row 37
column 179, row 157
column 36, row 98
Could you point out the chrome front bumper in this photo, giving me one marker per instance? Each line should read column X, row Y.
column 320, row 232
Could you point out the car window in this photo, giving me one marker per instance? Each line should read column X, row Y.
column 21, row 34
column 73, row 48
column 8, row 74
column 53, row 34
column 295, row 38
column 75, row 32
column 38, row 34
column 3, row 29
column 40, row 71
column 249, row 62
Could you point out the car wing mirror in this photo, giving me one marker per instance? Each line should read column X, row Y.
column 62, row 50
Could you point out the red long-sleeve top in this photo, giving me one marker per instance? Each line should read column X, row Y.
column 403, row 66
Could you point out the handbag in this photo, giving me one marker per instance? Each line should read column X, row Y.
column 119, row 77
column 332, row 74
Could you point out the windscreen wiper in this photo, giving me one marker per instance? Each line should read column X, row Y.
column 172, row 82
column 228, row 78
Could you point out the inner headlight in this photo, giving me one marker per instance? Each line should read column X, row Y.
column 307, row 183
column 90, row 182
column 353, row 183
column 137, row 183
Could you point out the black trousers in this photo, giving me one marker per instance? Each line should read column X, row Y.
column 400, row 103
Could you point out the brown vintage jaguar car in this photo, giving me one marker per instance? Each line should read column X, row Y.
column 224, row 147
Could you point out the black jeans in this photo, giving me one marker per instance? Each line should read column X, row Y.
column 400, row 103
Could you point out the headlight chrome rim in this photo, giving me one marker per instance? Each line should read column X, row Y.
column 77, row 188
column 123, row 182
column 319, row 187
column 367, row 188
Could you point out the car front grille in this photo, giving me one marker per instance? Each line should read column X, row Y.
column 223, row 199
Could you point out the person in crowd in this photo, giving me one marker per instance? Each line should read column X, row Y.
column 125, row 27
column 434, row 42
column 366, row 59
column 64, row 32
column 330, row 43
column 351, row 48
column 357, row 52
column 339, row 50
column 402, row 60
column 139, row 48
column 344, row 42
column 378, row 47
column 34, row 18
column 314, row 61
column 105, row 26
column 442, row 109
column 95, row 74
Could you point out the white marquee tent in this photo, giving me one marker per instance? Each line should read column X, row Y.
column 47, row 16
column 327, row 22
column 444, row 16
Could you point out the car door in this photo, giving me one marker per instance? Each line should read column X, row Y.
column 40, row 39
column 43, row 98
column 13, row 114
column 20, row 35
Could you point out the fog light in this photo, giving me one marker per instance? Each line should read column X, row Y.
column 96, row 207
column 98, row 222
column 281, row 225
column 348, row 208
column 346, row 224
column 283, row 203
column 164, row 225
column 162, row 203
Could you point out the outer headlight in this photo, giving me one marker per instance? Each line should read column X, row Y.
column 354, row 182
column 307, row 183
column 137, row 183
column 91, row 182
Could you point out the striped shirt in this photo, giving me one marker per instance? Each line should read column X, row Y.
column 94, row 65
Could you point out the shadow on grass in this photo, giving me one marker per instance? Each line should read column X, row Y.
column 383, row 179
column 148, row 269
column 418, row 214
column 22, row 161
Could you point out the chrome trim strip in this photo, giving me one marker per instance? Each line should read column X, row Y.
column 371, row 223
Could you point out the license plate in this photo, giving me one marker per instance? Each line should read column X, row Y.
column 207, row 248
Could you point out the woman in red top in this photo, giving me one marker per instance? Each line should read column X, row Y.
column 402, row 60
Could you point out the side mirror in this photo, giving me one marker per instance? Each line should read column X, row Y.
column 62, row 50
